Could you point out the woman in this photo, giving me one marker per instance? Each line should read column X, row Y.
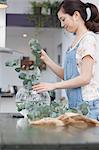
column 80, row 59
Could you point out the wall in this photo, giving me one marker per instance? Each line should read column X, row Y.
column 21, row 6
column 18, row 6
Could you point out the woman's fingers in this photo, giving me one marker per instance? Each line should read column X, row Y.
column 43, row 87
column 39, row 88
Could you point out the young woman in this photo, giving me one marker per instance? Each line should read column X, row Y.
column 78, row 73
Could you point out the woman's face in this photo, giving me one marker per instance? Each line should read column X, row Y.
column 68, row 22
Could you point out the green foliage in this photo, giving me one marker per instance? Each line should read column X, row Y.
column 20, row 106
column 22, row 76
column 35, row 4
column 53, row 110
column 73, row 110
column 44, row 4
column 55, row 4
column 84, row 108
column 18, row 69
column 27, row 83
column 37, row 111
column 12, row 63
column 36, row 50
column 3, row 1
column 35, row 45
column 44, row 14
column 31, row 75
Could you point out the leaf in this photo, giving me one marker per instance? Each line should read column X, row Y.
column 22, row 76
column 74, row 110
column 20, row 106
column 18, row 69
column 27, row 83
column 84, row 108
column 34, row 45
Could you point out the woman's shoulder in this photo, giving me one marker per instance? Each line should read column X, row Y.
column 87, row 45
column 89, row 37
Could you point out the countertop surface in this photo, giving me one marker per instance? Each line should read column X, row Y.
column 17, row 134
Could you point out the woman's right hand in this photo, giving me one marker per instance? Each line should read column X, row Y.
column 51, row 64
column 44, row 57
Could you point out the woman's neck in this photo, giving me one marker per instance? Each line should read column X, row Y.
column 80, row 32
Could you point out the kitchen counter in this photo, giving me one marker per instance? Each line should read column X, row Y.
column 17, row 134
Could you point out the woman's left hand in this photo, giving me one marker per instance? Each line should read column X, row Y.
column 43, row 87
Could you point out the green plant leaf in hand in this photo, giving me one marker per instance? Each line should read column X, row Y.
column 22, row 76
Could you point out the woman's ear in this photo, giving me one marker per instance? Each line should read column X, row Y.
column 76, row 15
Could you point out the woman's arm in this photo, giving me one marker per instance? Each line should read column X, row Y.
column 81, row 80
column 84, row 77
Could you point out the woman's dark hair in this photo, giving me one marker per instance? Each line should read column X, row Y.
column 70, row 6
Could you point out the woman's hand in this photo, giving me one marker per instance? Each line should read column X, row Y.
column 44, row 87
column 44, row 57
column 59, row 71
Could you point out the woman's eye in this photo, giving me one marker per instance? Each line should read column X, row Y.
column 63, row 20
